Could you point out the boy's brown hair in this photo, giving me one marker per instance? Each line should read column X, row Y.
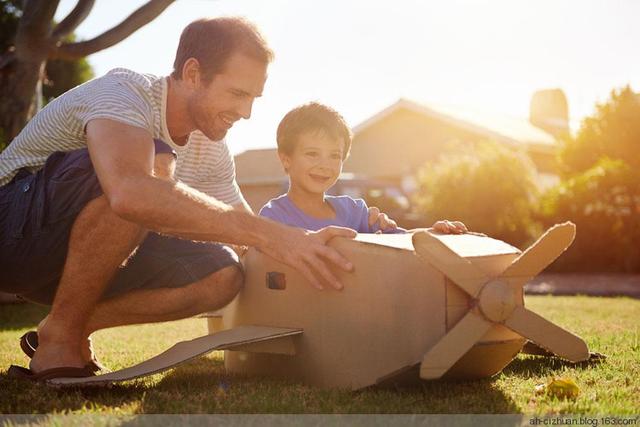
column 312, row 117
column 213, row 41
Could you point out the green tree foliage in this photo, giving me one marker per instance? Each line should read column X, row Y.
column 613, row 131
column 490, row 188
column 600, row 190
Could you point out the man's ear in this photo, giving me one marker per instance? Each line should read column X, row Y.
column 191, row 73
column 285, row 160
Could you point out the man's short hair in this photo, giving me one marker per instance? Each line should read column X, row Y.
column 312, row 117
column 212, row 41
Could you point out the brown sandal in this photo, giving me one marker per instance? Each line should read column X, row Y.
column 49, row 374
column 29, row 344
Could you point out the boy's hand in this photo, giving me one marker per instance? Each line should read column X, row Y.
column 449, row 227
column 385, row 223
column 307, row 252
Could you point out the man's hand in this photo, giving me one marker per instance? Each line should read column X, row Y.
column 449, row 227
column 307, row 252
column 385, row 223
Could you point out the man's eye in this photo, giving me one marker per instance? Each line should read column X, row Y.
column 312, row 154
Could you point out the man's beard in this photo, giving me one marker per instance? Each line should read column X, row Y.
column 199, row 118
column 213, row 134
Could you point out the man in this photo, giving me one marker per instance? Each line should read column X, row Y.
column 112, row 196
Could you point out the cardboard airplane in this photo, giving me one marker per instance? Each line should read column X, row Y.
column 420, row 304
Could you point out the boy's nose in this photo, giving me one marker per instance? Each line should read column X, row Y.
column 325, row 166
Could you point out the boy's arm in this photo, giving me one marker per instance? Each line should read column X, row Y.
column 123, row 158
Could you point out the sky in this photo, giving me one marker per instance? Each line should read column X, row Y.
column 360, row 56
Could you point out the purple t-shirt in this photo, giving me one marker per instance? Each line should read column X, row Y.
column 351, row 213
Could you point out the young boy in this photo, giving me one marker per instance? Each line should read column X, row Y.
column 313, row 142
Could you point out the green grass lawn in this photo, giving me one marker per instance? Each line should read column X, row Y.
column 609, row 325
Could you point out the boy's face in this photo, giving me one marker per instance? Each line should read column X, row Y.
column 315, row 163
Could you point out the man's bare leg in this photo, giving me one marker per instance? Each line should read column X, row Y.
column 164, row 304
column 161, row 304
column 99, row 242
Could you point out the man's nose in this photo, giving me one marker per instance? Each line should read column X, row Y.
column 245, row 109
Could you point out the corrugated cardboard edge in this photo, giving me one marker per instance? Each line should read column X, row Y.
column 183, row 352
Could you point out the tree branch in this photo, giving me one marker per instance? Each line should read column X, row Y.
column 73, row 19
column 145, row 14
column 34, row 27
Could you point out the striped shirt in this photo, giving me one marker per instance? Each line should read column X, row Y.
column 134, row 99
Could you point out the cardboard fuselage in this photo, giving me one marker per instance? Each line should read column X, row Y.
column 393, row 308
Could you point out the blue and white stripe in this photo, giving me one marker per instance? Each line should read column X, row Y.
column 131, row 98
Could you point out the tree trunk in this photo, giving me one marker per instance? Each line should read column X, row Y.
column 18, row 82
column 22, row 67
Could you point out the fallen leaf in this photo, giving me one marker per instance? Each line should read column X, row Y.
column 563, row 388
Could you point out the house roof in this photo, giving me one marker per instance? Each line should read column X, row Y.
column 262, row 166
column 498, row 127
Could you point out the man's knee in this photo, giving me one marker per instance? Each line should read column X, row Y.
column 218, row 289
column 164, row 166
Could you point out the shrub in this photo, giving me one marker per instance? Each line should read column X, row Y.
column 490, row 188
column 604, row 203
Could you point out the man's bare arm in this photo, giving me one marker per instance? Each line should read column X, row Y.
column 123, row 158
column 243, row 206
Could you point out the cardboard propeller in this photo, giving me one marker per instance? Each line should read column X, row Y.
column 495, row 300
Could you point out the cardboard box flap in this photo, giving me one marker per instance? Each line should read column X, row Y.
column 472, row 245
column 467, row 245
column 185, row 351
column 398, row 241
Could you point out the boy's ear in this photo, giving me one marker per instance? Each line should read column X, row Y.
column 285, row 160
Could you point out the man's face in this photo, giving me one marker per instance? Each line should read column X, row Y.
column 228, row 97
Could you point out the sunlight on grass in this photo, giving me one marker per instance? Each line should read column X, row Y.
column 609, row 325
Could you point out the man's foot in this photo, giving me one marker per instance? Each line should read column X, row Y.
column 29, row 344
column 86, row 349
column 56, row 348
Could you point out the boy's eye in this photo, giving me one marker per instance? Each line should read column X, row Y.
column 336, row 156
column 312, row 153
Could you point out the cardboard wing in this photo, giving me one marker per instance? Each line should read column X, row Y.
column 187, row 350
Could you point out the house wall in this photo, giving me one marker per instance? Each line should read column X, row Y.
column 401, row 143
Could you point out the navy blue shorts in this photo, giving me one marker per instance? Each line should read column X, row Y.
column 37, row 212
